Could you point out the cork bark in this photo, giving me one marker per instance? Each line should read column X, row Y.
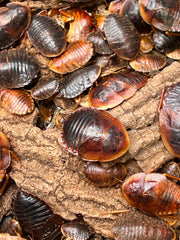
column 48, row 171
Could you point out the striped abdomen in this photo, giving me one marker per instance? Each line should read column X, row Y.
column 74, row 57
column 47, row 36
column 16, row 101
column 95, row 135
column 17, row 68
column 75, row 83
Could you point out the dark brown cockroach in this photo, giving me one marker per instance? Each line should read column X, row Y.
column 73, row 84
column 10, row 226
column 47, row 36
column 153, row 194
column 163, row 15
column 5, row 160
column 94, row 135
column 169, row 119
column 103, row 177
column 99, row 43
column 122, row 36
column 135, row 225
column 74, row 57
column 148, row 62
column 14, row 19
column 45, row 88
column 75, row 230
column 171, row 168
column 16, row 101
column 35, row 216
column 114, row 89
column 4, row 236
column 130, row 9
column 17, row 68
column 81, row 24
column 165, row 43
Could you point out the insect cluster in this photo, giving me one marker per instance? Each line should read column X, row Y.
column 79, row 53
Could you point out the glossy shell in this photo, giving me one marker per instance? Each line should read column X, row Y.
column 11, row 226
column 153, row 194
column 45, row 88
column 81, row 24
column 47, row 36
column 148, row 62
column 103, row 177
column 30, row 211
column 16, row 101
column 95, row 135
column 114, row 89
column 169, row 120
column 75, row 56
column 163, row 15
column 122, row 36
column 17, row 68
column 14, row 20
column 138, row 226
column 73, row 84
column 75, row 231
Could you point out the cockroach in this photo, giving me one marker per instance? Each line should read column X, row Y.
column 103, row 177
column 130, row 9
column 15, row 19
column 10, row 226
column 169, row 119
column 114, row 89
column 94, row 135
column 171, row 168
column 148, row 62
column 45, row 88
column 146, row 43
column 4, row 236
column 74, row 57
column 115, row 6
column 16, row 101
column 163, row 15
column 153, row 194
column 135, row 225
column 73, row 84
column 47, row 36
column 5, row 160
column 76, row 230
column 122, row 36
column 17, row 68
column 99, row 43
column 174, row 55
column 165, row 43
column 81, row 24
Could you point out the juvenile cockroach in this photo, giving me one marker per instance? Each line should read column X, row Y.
column 103, row 177
column 169, row 119
column 73, row 84
column 75, row 231
column 45, row 88
column 81, row 24
column 171, row 168
column 15, row 19
column 17, row 68
column 138, row 226
column 148, row 62
column 153, row 194
column 94, row 135
column 16, row 101
column 114, row 89
column 74, row 57
column 122, row 36
column 47, row 36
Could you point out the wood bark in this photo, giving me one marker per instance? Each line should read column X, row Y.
column 48, row 171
